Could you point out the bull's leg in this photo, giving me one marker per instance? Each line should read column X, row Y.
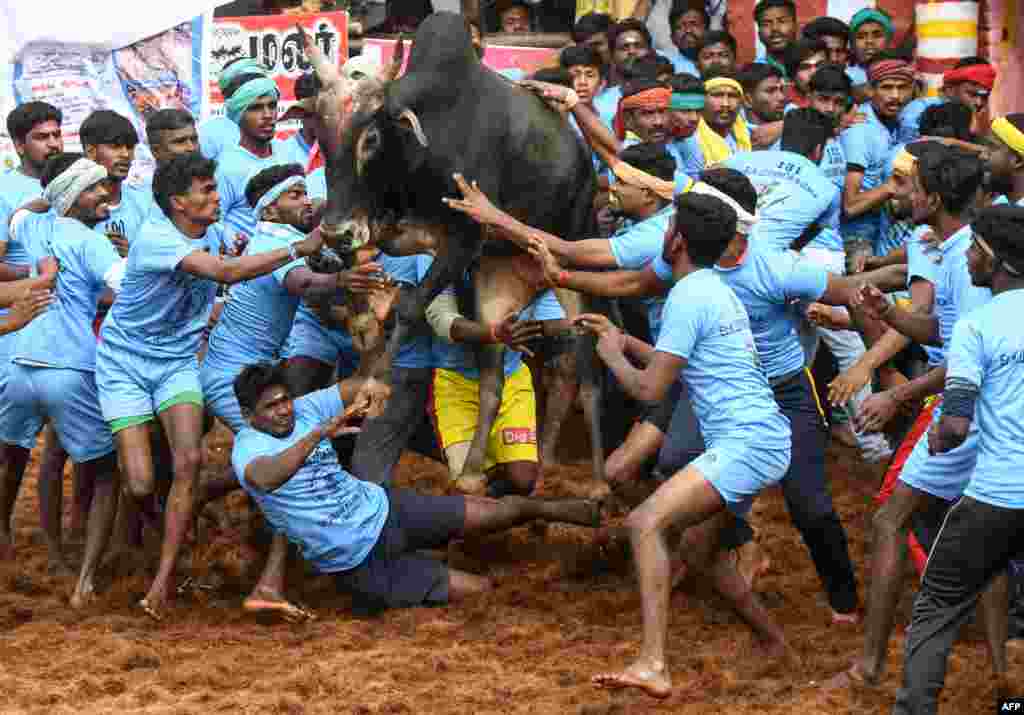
column 501, row 287
column 591, row 383
column 562, row 387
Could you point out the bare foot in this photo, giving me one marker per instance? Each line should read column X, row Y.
column 155, row 603
column 264, row 601
column 83, row 596
column 752, row 562
column 653, row 681
column 853, row 677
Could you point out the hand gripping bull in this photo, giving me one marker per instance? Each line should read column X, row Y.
column 390, row 166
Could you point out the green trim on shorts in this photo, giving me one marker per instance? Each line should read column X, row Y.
column 125, row 422
column 188, row 397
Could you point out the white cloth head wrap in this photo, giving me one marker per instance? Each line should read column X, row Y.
column 65, row 188
column 745, row 221
column 271, row 195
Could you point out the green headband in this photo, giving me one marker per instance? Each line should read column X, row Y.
column 870, row 14
column 689, row 101
column 237, row 69
column 247, row 94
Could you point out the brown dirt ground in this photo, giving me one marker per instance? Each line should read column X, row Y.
column 559, row 615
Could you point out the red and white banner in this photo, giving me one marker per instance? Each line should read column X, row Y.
column 497, row 57
column 276, row 43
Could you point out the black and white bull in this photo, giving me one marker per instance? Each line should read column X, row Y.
column 390, row 167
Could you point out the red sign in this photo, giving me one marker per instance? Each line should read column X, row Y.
column 277, row 44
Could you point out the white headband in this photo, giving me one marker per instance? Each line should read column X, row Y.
column 745, row 221
column 65, row 188
column 275, row 191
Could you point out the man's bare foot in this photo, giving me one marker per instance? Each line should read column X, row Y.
column 652, row 680
column 752, row 562
column 155, row 603
column 265, row 601
column 84, row 595
column 853, row 677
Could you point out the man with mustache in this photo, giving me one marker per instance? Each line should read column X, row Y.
column 722, row 131
column 717, row 54
column 871, row 31
column 776, row 28
column 689, row 21
column 868, row 147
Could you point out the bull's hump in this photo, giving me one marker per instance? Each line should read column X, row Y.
column 442, row 42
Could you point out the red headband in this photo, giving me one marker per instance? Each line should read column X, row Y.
column 654, row 98
column 982, row 74
column 891, row 69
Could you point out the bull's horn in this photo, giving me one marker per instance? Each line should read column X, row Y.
column 414, row 121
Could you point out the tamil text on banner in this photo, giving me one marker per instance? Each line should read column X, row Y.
column 274, row 41
column 497, row 57
column 158, row 72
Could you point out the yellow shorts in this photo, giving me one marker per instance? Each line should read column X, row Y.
column 455, row 405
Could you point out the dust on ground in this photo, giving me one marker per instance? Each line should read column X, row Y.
column 561, row 613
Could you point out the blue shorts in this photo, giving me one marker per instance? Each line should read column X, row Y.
column 133, row 385
column 311, row 338
column 219, row 393
column 68, row 398
column 942, row 475
column 739, row 470
column 12, row 430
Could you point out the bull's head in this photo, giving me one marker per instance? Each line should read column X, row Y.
column 357, row 132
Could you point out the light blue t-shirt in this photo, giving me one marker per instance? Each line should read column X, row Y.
column 16, row 190
column 334, row 518
column 869, row 146
column 681, row 64
column 987, row 350
column 128, row 216
column 833, row 163
column 161, row 310
column 62, row 336
column 316, row 184
column 216, row 135
column 258, row 315
column 606, row 105
column 858, row 76
column 418, row 350
column 792, row 194
column 688, row 157
column 234, row 169
column 705, row 323
column 768, row 283
column 924, row 262
column 910, row 118
column 634, row 247
column 955, row 294
column 295, row 150
column 461, row 357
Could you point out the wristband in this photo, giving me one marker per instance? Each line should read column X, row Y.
column 562, row 279
column 293, row 252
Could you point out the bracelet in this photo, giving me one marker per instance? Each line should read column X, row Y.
column 293, row 252
column 562, row 279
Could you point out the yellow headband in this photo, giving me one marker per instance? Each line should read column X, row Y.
column 904, row 163
column 1009, row 134
column 719, row 82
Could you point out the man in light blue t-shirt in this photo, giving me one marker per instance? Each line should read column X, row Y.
column 705, row 340
column 370, row 538
column 52, row 360
column 946, row 186
column 220, row 133
column 868, row 146
column 146, row 365
column 985, row 528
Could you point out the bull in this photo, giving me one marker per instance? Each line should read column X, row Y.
column 390, row 165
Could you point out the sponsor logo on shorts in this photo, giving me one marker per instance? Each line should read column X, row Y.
column 519, row 435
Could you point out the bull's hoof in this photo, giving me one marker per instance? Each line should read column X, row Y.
column 472, row 484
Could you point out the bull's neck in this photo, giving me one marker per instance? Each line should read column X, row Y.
column 257, row 147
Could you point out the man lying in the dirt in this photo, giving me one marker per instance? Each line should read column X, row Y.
column 369, row 537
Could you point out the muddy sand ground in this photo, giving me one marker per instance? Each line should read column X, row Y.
column 561, row 613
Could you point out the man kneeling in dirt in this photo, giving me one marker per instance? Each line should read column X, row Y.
column 369, row 537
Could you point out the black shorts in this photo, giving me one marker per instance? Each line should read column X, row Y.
column 393, row 575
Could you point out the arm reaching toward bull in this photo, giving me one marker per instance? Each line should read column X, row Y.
column 588, row 253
